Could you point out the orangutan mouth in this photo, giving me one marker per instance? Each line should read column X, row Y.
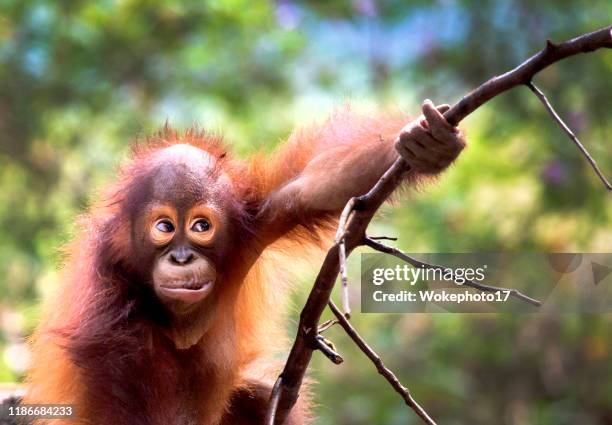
column 188, row 292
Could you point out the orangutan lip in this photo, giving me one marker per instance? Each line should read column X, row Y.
column 194, row 285
column 190, row 292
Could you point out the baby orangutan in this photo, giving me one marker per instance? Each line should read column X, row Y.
column 167, row 313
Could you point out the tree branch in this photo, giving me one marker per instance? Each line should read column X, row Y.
column 380, row 366
column 328, row 349
column 569, row 132
column 359, row 212
column 525, row 72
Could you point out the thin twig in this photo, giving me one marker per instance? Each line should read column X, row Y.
column 417, row 263
column 327, row 348
column 346, row 212
column 383, row 238
column 346, row 306
column 340, row 240
column 569, row 132
column 380, row 366
column 274, row 398
column 326, row 325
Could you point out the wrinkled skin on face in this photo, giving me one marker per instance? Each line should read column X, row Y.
column 180, row 228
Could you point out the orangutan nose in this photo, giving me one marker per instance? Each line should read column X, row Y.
column 182, row 256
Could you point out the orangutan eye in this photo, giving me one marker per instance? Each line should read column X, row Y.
column 202, row 225
column 165, row 226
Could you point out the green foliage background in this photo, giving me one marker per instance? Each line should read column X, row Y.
column 80, row 79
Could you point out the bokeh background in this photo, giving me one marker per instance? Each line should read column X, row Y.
column 80, row 79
